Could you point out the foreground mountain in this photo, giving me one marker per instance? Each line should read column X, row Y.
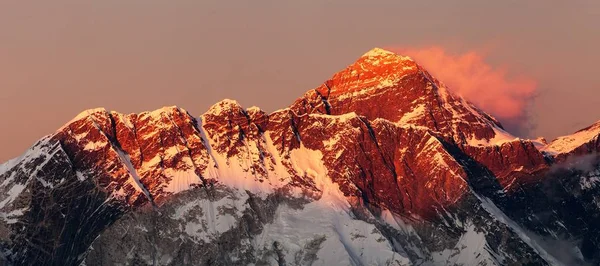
column 380, row 165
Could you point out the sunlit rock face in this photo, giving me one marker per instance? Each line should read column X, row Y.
column 384, row 85
column 381, row 84
column 380, row 165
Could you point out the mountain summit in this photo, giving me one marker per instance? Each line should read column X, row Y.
column 381, row 84
column 380, row 165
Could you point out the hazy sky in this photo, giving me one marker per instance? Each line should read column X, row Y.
column 58, row 58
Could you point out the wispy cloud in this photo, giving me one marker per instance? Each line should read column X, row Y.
column 489, row 87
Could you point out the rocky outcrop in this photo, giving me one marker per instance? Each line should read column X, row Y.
column 513, row 163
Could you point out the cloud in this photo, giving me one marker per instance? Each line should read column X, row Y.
column 468, row 74
column 585, row 163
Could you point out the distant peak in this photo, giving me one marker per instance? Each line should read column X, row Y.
column 566, row 144
column 594, row 127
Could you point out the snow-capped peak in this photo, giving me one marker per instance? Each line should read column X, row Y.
column 89, row 112
column 164, row 110
column 85, row 114
column 380, row 165
column 378, row 56
column 378, row 52
column 376, row 69
column 566, row 144
column 383, row 84
column 226, row 105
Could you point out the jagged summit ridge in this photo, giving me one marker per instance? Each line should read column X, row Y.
column 414, row 102
column 388, row 162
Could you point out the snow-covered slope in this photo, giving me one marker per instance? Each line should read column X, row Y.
column 381, row 165
column 570, row 143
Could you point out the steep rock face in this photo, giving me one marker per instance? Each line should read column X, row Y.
column 89, row 141
column 164, row 148
column 50, row 211
column 144, row 147
column 381, row 84
column 381, row 165
column 515, row 161
column 384, row 164
column 369, row 159
column 407, row 171
column 563, row 207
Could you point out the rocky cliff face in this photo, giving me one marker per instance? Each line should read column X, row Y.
column 380, row 165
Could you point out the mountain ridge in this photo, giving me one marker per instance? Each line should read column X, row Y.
column 422, row 168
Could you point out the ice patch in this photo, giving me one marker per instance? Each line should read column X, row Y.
column 181, row 180
column 135, row 178
column 499, row 138
column 471, row 249
column 591, row 180
column 12, row 217
column 94, row 145
column 216, row 217
column 12, row 194
column 235, row 171
column 416, row 113
column 337, row 118
column 4, row 167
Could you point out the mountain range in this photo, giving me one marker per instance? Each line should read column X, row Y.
column 382, row 164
